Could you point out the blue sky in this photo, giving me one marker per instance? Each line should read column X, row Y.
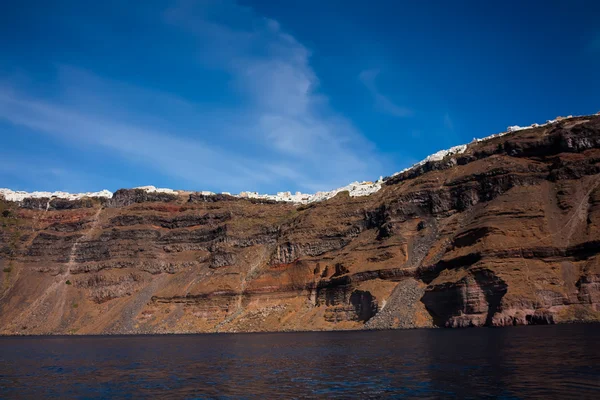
column 271, row 96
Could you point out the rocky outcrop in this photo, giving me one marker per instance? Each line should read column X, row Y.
column 503, row 232
column 471, row 301
column 56, row 204
column 126, row 197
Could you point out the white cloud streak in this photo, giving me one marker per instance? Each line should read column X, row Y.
column 448, row 123
column 183, row 158
column 284, row 131
column 382, row 102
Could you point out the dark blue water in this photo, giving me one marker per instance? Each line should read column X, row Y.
column 522, row 362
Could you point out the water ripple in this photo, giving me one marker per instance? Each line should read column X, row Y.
column 510, row 363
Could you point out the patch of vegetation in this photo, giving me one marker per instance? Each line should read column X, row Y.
column 75, row 305
column 7, row 270
column 68, row 282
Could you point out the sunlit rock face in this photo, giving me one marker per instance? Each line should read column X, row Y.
column 502, row 231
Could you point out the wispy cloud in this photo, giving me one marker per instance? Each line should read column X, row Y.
column 166, row 152
column 283, row 131
column 382, row 102
column 448, row 123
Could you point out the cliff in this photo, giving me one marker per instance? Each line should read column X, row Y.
column 503, row 231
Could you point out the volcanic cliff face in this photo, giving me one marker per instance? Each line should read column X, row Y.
column 504, row 233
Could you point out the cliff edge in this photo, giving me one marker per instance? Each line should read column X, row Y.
column 502, row 231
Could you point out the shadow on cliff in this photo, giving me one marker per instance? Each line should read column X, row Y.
column 428, row 274
column 458, row 304
column 364, row 304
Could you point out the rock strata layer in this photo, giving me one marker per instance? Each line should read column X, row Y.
column 504, row 232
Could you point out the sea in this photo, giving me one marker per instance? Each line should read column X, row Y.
column 557, row 361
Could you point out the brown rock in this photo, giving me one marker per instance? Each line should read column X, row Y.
column 504, row 234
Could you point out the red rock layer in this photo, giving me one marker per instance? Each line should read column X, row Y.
column 506, row 233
